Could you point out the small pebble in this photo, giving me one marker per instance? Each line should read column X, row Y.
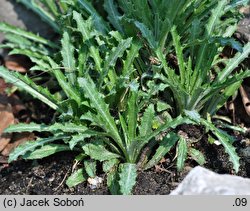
column 51, row 179
column 95, row 182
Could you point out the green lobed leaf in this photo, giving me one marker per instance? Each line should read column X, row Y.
column 45, row 151
column 147, row 34
column 64, row 127
column 146, row 121
column 29, row 86
column 233, row 63
column 98, row 152
column 80, row 157
column 194, row 115
column 218, row 100
column 164, row 127
column 223, row 137
column 124, row 127
column 85, row 28
column 225, row 41
column 236, row 3
column 6, row 28
column 113, row 14
column 165, row 146
column 76, row 178
column 99, row 23
column 116, row 53
column 29, row 53
column 63, row 4
column 162, row 106
column 19, row 42
column 179, row 54
column 70, row 90
column 30, row 146
column 112, row 182
column 97, row 102
column 139, row 9
column 36, row 57
column 205, row 49
column 18, row 39
column 68, row 57
column 90, row 167
column 79, row 139
column 226, row 141
column 83, row 55
column 217, row 12
column 52, row 6
column 108, row 165
column 132, row 53
column 242, row 130
column 132, row 116
column 39, row 10
column 197, row 156
column 128, row 174
column 182, row 150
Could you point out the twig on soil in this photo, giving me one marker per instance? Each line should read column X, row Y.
column 75, row 165
column 61, row 183
column 231, row 108
column 29, row 184
column 245, row 99
column 159, row 168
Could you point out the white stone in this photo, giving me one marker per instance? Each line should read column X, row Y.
column 95, row 182
column 201, row 181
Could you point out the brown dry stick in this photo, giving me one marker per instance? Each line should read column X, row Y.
column 245, row 99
